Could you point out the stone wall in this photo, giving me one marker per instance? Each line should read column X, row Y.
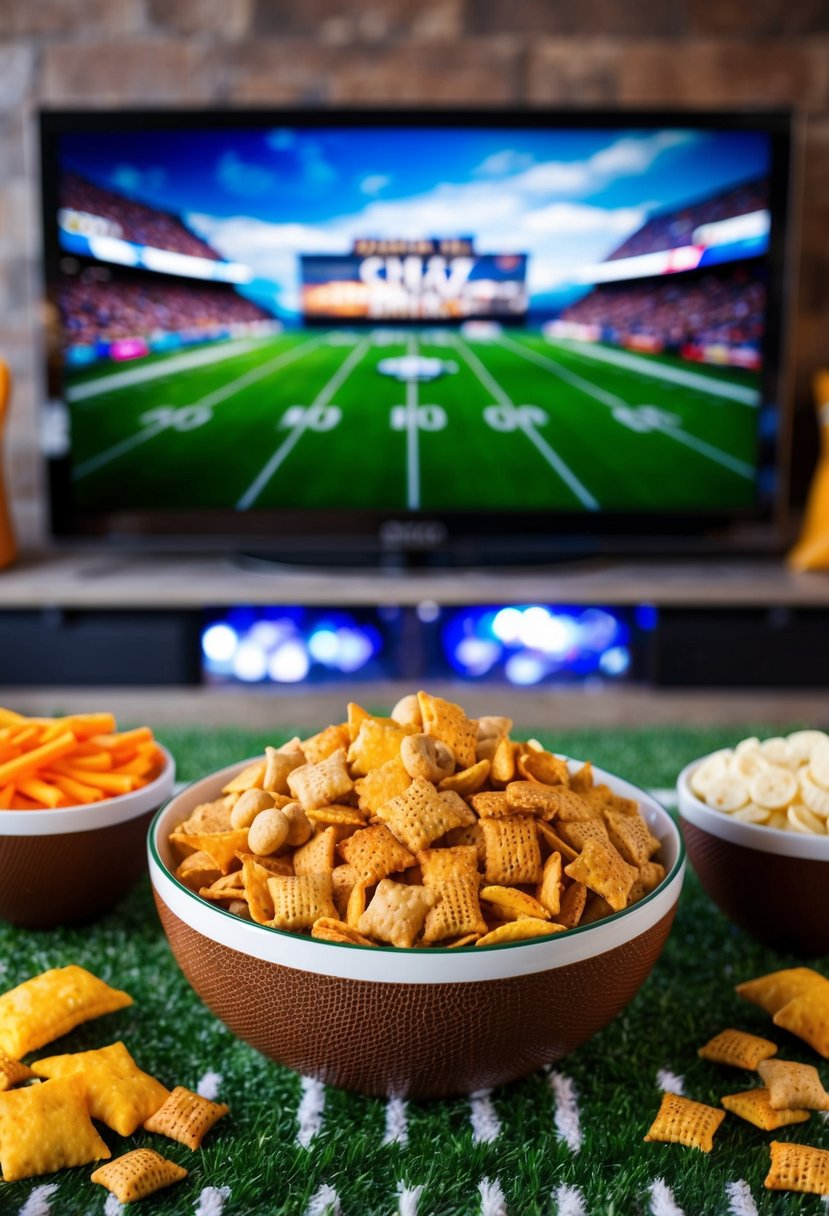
column 325, row 52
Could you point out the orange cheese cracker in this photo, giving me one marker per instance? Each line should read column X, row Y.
column 798, row 1167
column 753, row 1105
column 737, row 1048
column 45, row 1128
column 118, row 1093
column 12, row 1072
column 50, row 1005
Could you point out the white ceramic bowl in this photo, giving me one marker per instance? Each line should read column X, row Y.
column 771, row 882
column 71, row 864
column 419, row 1022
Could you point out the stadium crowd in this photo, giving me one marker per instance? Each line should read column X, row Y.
column 677, row 311
column 137, row 223
column 676, row 228
column 96, row 309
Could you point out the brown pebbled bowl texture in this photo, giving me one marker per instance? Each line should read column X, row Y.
column 781, row 901
column 359, row 1035
column 69, row 878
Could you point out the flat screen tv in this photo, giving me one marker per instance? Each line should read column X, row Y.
column 484, row 335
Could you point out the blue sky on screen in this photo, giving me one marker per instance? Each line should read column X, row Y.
column 567, row 198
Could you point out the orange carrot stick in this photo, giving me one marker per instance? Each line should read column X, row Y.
column 97, row 761
column 6, row 795
column 19, row 803
column 122, row 740
column 42, row 791
column 77, row 791
column 30, row 762
column 111, row 783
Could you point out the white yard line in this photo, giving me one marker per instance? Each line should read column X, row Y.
column 662, row 1202
column 740, row 1199
column 408, row 1197
column 412, row 436
column 567, row 1121
column 569, row 1201
column 221, row 394
column 320, row 401
column 486, row 1126
column 211, row 1201
column 662, row 371
column 324, row 1202
column 113, row 1206
column 156, row 371
column 208, row 1086
column 669, row 1082
column 493, row 1202
column 397, row 1129
column 38, row 1202
column 549, row 454
column 612, row 401
column 310, row 1111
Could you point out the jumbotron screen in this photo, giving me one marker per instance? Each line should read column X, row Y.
column 416, row 318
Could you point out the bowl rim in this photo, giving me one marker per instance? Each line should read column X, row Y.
column 389, row 964
column 87, row 817
column 756, row 836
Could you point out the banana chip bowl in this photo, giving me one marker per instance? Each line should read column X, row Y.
column 69, row 865
column 419, row 1022
column 770, row 882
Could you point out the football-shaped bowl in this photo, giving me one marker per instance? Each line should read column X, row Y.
column 69, row 865
column 420, row 1022
column 770, row 882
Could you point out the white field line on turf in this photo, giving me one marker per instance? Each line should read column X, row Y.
column 38, row 1202
column 324, row 1202
column 320, row 401
column 740, row 1199
column 211, row 1201
column 613, row 402
column 493, row 1202
column 113, row 1206
column 220, row 394
column 310, row 1111
column 408, row 1197
column 155, row 371
column 486, row 1126
column 540, row 444
column 662, row 1199
column 669, row 1082
column 397, row 1129
column 412, row 436
column 569, row 1201
column 567, row 1121
column 208, row 1086
column 662, row 371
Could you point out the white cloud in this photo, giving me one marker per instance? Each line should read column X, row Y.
column 571, row 218
column 507, row 161
column 374, row 183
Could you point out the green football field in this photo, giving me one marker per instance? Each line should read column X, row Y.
column 311, row 420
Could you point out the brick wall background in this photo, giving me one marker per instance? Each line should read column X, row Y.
column 535, row 52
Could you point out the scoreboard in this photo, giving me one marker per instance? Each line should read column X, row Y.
column 431, row 279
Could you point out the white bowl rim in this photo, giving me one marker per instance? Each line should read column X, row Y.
column 416, row 965
column 89, row 817
column 757, row 836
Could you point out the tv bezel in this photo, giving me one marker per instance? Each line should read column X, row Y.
column 351, row 536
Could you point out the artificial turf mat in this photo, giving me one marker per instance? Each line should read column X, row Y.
column 347, row 1167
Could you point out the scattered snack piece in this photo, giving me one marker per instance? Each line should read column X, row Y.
column 426, row 801
column 118, row 1093
column 50, row 1005
column 798, row 1000
column 138, row 1174
column 798, row 1167
column 753, row 1105
column 12, row 1072
column 681, row 1121
column 396, row 913
column 738, row 1049
column 793, row 1085
column 186, row 1117
column 519, row 930
column 782, row 783
column 45, row 1128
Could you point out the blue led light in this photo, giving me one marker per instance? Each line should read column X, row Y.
column 219, row 643
column 507, row 625
column 250, row 663
column 289, row 663
column 615, row 661
column 324, row 646
column 525, row 668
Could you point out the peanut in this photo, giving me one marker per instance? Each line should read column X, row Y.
column 407, row 711
column 268, row 832
column 248, row 807
column 300, row 828
column 424, row 756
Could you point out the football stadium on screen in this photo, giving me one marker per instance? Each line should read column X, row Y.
column 422, row 319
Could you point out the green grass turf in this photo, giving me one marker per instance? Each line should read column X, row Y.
column 212, row 459
column 688, row 997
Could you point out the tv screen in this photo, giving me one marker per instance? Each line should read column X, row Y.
column 412, row 329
